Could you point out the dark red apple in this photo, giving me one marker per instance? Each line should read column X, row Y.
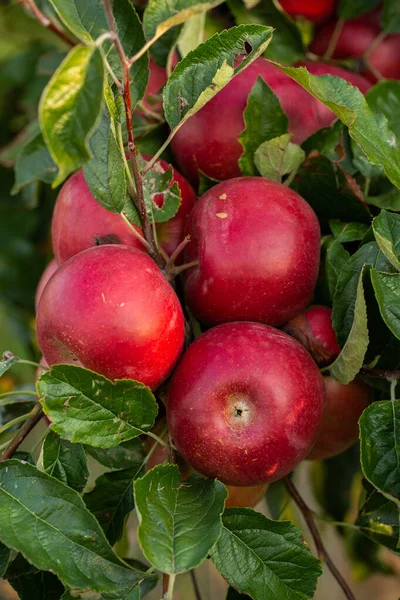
column 355, row 39
column 313, row 328
column 157, row 79
column 79, row 220
column 258, row 247
column 245, row 404
column 47, row 273
column 313, row 10
column 343, row 407
column 111, row 310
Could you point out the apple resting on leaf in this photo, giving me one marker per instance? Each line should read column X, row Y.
column 258, row 247
column 245, row 404
column 111, row 310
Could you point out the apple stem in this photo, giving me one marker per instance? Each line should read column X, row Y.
column 321, row 550
column 334, row 39
column 46, row 22
column 36, row 416
column 170, row 589
column 141, row 205
column 176, row 270
column 176, row 252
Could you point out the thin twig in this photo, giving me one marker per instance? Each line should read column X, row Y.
column 177, row 251
column 377, row 42
column 26, row 428
column 141, row 205
column 321, row 550
column 334, row 39
column 195, row 585
column 381, row 373
column 45, row 21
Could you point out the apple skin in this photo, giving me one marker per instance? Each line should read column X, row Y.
column 356, row 37
column 313, row 11
column 157, row 78
column 313, row 328
column 47, row 273
column 258, row 246
column 245, row 404
column 78, row 219
column 344, row 406
column 110, row 309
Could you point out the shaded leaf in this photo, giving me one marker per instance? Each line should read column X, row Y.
column 384, row 97
column 379, row 520
column 386, row 228
column 390, row 18
column 387, row 292
column 31, row 584
column 278, row 157
column 33, row 163
column 65, row 461
column 118, row 457
column 7, row 361
column 347, row 232
column 349, row 9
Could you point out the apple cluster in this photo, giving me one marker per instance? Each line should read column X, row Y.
column 246, row 401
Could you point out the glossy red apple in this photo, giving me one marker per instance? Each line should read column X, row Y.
column 343, row 407
column 47, row 273
column 110, row 309
column 355, row 39
column 313, row 10
column 258, row 247
column 245, row 404
column 313, row 328
column 79, row 220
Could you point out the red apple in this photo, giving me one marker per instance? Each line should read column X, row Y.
column 245, row 404
column 47, row 273
column 313, row 328
column 355, row 39
column 258, row 246
column 313, row 10
column 343, row 407
column 79, row 220
column 111, row 310
column 157, row 79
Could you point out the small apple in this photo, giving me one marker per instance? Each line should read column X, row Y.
column 313, row 328
column 47, row 273
column 111, row 310
column 245, row 404
column 344, row 406
column 309, row 9
column 258, row 247
column 80, row 222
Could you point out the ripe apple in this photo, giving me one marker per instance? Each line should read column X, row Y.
column 313, row 328
column 355, row 39
column 79, row 220
column 47, row 273
column 157, row 79
column 245, row 404
column 258, row 247
column 311, row 10
column 343, row 408
column 110, row 309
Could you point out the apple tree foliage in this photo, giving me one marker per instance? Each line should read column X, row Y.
column 62, row 534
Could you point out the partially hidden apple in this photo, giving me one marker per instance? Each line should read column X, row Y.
column 208, row 141
column 344, row 406
column 313, row 328
column 245, row 404
column 258, row 246
column 80, row 222
column 47, row 273
column 313, row 10
column 111, row 310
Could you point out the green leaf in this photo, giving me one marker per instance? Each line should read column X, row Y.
column 5, row 558
column 134, row 592
column 371, row 132
column 390, row 18
column 105, row 172
column 86, row 19
column 278, row 157
column 65, row 461
column 178, row 522
column 192, row 34
column 380, row 447
column 389, row 200
column 334, row 260
column 7, row 361
column 387, row 292
column 68, row 113
column 349, row 9
column 115, row 106
column 265, row 559
column 384, row 97
column 31, row 584
column 161, row 15
column 111, row 499
column 351, row 358
column 157, row 183
column 347, row 232
column 386, row 227
column 264, row 119
column 87, row 408
column 379, row 520
column 347, row 286
column 118, row 457
column 33, row 163
column 56, row 532
column 205, row 71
